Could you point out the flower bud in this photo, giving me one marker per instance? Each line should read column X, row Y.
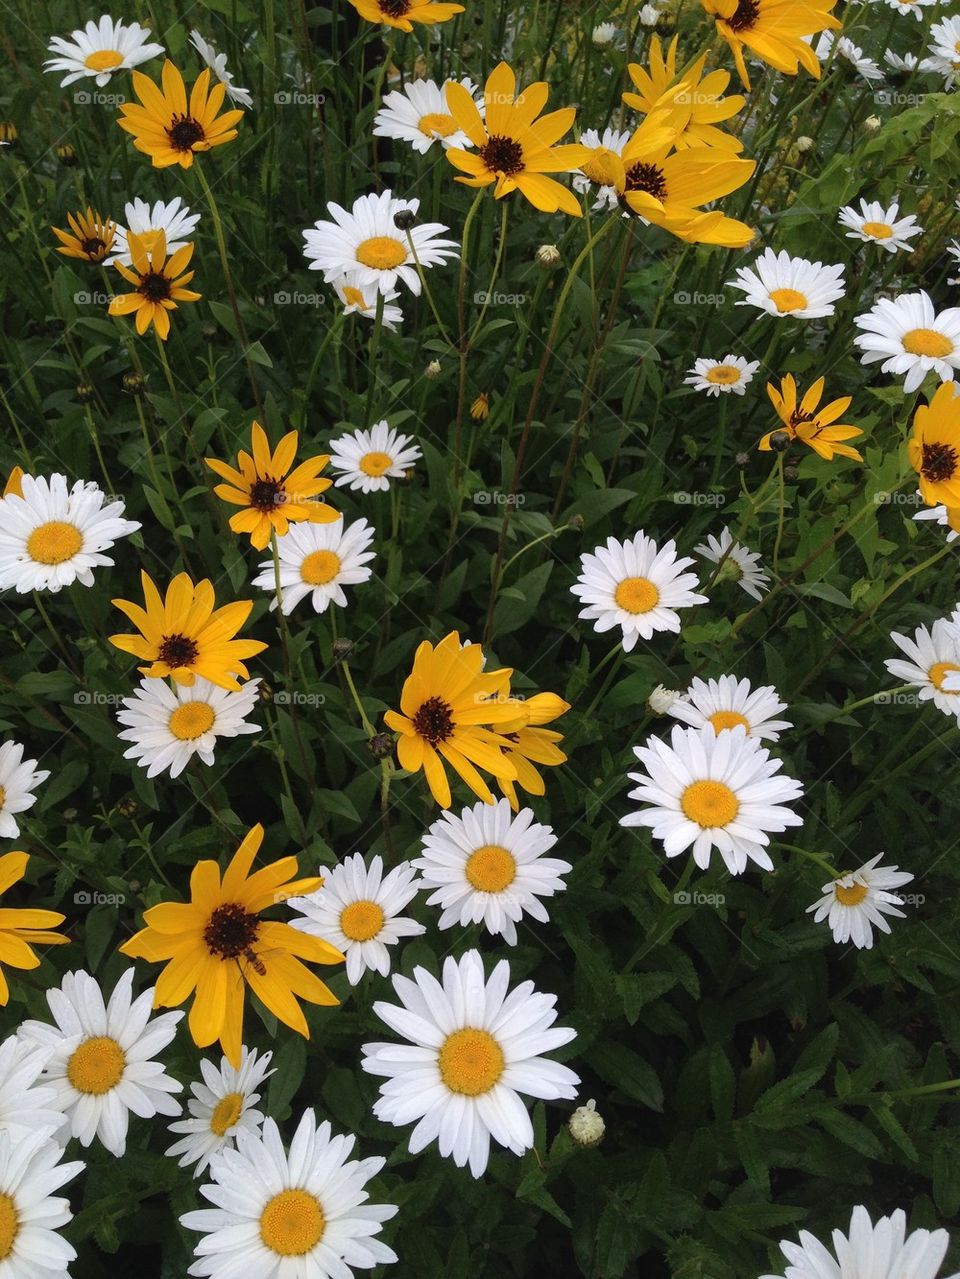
column 586, row 1126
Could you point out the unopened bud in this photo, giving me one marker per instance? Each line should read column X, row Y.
column 404, row 219
column 342, row 648
column 381, row 745
column 872, row 124
column 432, row 370
column 586, row 1126
column 661, row 699
column 547, row 256
column 779, row 441
column 134, row 383
column 84, row 392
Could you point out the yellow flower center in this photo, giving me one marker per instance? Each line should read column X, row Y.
column 435, row 125
column 381, row 253
column 103, row 60
column 96, row 1066
column 851, row 896
column 3, row 796
column 226, row 1113
column 471, row 1062
column 361, row 920
column 375, row 464
column 636, row 595
column 927, row 342
column 879, row 230
column 491, row 868
column 353, row 297
column 728, row 719
column 191, row 720
column 709, row 804
column 723, row 375
column 937, row 672
column 54, row 542
column 292, row 1223
column 789, row 300
column 9, row 1226
column 320, row 567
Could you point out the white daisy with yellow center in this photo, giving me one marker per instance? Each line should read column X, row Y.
column 358, row 910
column 27, row 1104
column 932, row 658
column 19, row 778
column 102, row 1057
column 875, row 224
column 364, row 301
column 857, row 902
column 786, row 287
column 217, row 62
column 473, row 1048
column 597, row 173
column 885, row 1250
column 420, row 114
column 945, row 50
column 301, row 1214
column 488, row 867
column 317, row 561
column 637, row 586
column 911, row 338
column 733, row 374
column 168, row 726
column 172, row 217
column 101, row 49
column 727, row 703
column 910, row 7
column 737, row 563
column 707, row 790
column 222, row 1105
column 31, row 1214
column 369, row 460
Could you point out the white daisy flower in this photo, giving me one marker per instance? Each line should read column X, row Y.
column 944, row 51
column 785, row 286
column 590, row 177
column 222, row 1105
column 168, row 726
column 911, row 338
column 301, row 1214
column 472, row 1049
column 102, row 1057
column 876, row 225
column 881, row 1251
column 637, row 586
column 318, row 560
column 173, row 218
column 856, row 902
column 30, row 1212
column 217, row 62
column 367, row 244
column 420, row 114
column 850, row 52
column 488, row 867
column 733, row 373
column 369, row 460
column 710, row 790
column 727, row 703
column 943, row 515
column 739, row 563
column 26, row 1105
column 910, row 7
column 53, row 536
column 904, row 63
column 364, row 302
column 931, row 655
column 649, row 15
column 19, row 778
column 358, row 911
column 100, row 49
column 604, row 34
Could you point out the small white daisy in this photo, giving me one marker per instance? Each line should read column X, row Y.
column 168, row 726
column 931, row 655
column 473, row 1048
column 369, row 460
column 881, row 1251
column 944, row 516
column 911, row 338
column 910, row 7
column 53, row 536
column 297, row 1214
column 357, row 301
column 637, row 586
column 733, row 373
column 784, row 286
column 358, row 911
column 26, row 1103
column 217, row 62
column 738, row 562
column 851, row 53
column 30, row 1212
column 318, row 560
column 649, row 15
column 367, row 244
column 876, row 225
column 727, row 703
column 420, row 114
column 488, row 867
column 856, row 903
column 903, row 63
column 100, row 49
column 591, row 174
column 604, row 34
column 944, row 49
column 173, row 218
column 710, row 791
column 223, row 1104
column 19, row 778
column 102, row 1057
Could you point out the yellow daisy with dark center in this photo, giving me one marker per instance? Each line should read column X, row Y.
column 22, row 929
column 934, row 448
column 90, row 237
column 773, row 31
column 159, row 283
column 402, row 14
column 818, row 428
column 168, row 128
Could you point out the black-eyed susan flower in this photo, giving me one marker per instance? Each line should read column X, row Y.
column 513, row 148
column 217, row 944
column 480, row 408
column 402, row 14
column 818, row 428
column 529, row 743
column 22, row 929
column 773, row 30
column 90, row 237
column 159, row 284
column 697, row 100
column 168, row 128
column 183, row 635
column 272, row 492
column 8, row 135
column 934, row 448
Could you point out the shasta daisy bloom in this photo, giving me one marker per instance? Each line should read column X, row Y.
column 30, row 1212
column 168, row 128
column 26, row 1103
column 488, row 867
column 911, row 8
column 418, row 113
column 301, row 1214
column 513, row 148
column 945, row 50
column 369, row 460
column 934, row 447
column 773, row 31
column 911, row 338
column 19, row 778
column 708, row 790
column 102, row 1058
column 357, row 301
column 637, row 586
column 472, row 1049
column 100, row 49
column 850, row 53
column 816, row 427
column 366, row 244
column 881, row 1251
column 223, row 1104
column 528, row 743
column 52, row 536
column 402, row 14
column 168, row 726
column 217, row 62
column 90, row 237
column 697, row 100
column 22, row 928
column 271, row 492
column 159, row 283
column 318, row 561
column 358, row 911
column 450, row 710
column 903, row 64
column 732, row 373
column 857, row 902
column 599, row 171
column 947, row 517
column 931, row 655
column 173, row 218
column 736, row 561
column 875, row 224
column 217, row 944
column 727, row 703
column 184, row 636
column 785, row 286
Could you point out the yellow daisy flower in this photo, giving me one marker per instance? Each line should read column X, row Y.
column 184, row 636
column 530, row 743
column 697, row 100
column 402, row 14
column 814, row 427
column 159, row 283
column 168, row 128
column 773, row 31
column 21, row 930
column 513, row 148
column 480, row 408
column 217, row 944
column 934, row 449
column 90, row 236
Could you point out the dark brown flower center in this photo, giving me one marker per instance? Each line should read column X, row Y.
column 502, row 155
column 184, row 132
column 94, row 247
column 178, row 650
column 746, row 15
column 230, row 931
column 394, row 8
column 266, row 494
column 154, row 286
column 799, row 418
column 434, row 721
column 649, row 178
column 938, row 462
